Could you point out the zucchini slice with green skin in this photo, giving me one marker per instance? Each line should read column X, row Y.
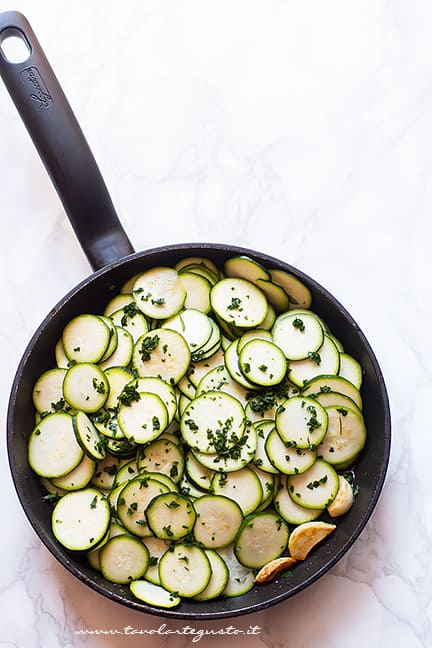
column 275, row 294
column 144, row 419
column 197, row 370
column 239, row 302
column 297, row 335
column 112, row 344
column 122, row 354
column 286, row 458
column 123, row 559
column 213, row 422
column 232, row 366
column 118, row 378
column 262, row 362
column 350, row 369
column 254, row 334
column 326, row 383
column 245, row 268
column 158, row 293
column 160, row 387
column 88, row 436
column 302, row 422
column 161, row 353
column 79, row 477
column 133, row 500
column 156, row 548
column 118, row 302
column 241, row 579
column 81, row 519
column 162, row 456
column 197, row 291
column 218, row 579
column 185, row 570
column 219, row 379
column 261, row 458
column 198, row 261
column 131, row 320
column 218, row 520
column 326, row 360
column 298, row 293
column 235, row 458
column 290, row 511
column 328, row 399
column 243, row 486
column 193, row 325
column 262, row 537
column 105, row 472
column 201, row 270
column 316, row 488
column 196, row 472
column 85, row 387
column 86, row 338
column 154, row 594
column 48, row 390
column 53, row 450
column 345, row 438
column 170, row 516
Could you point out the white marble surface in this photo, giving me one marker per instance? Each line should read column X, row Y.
column 303, row 129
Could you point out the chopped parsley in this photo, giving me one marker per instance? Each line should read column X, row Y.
column 148, row 345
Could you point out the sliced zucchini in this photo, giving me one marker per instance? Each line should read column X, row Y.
column 261, row 458
column 118, row 378
column 325, row 383
column 324, row 361
column 164, row 390
column 118, row 302
column 86, row 338
column 301, row 422
column 156, row 548
column 48, row 391
column 85, row 387
column 288, row 459
column 232, row 366
column 345, row 438
column 105, row 472
column 327, row 399
column 234, row 458
column 297, row 335
column 161, row 353
column 79, row 477
column 316, row 488
column 62, row 360
column 197, row 370
column 262, row 362
column 193, row 325
column 197, row 290
column 80, row 519
column 218, row 520
column 133, row 500
column 239, row 302
column 154, row 594
column 350, row 369
column 198, row 261
column 132, row 320
column 88, row 436
column 262, row 537
column 185, row 570
column 290, row 511
column 298, row 293
column 245, row 268
column 144, row 419
column 213, row 422
column 241, row 579
column 219, row 379
column 218, row 579
column 170, row 516
column 123, row 559
column 53, row 450
column 122, row 355
column 162, row 456
column 196, row 472
column 158, row 293
column 242, row 486
column 275, row 294
column 254, row 334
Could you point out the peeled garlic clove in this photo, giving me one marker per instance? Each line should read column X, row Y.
column 306, row 536
column 344, row 499
column 274, row 568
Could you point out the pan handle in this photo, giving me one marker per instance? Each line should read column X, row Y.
column 62, row 146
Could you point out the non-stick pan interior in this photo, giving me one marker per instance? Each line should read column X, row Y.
column 91, row 296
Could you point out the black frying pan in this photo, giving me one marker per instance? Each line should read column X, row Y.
column 67, row 157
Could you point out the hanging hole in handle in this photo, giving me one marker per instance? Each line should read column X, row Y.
column 14, row 46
